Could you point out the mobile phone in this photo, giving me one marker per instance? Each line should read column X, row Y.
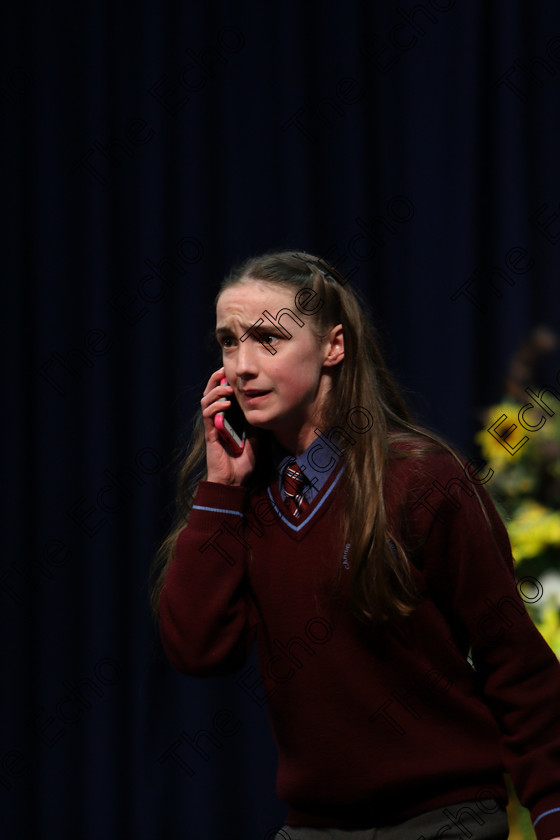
column 231, row 424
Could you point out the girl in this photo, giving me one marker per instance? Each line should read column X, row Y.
column 402, row 672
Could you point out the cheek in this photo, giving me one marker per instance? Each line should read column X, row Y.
column 298, row 379
column 229, row 370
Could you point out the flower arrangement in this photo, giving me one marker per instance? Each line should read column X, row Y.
column 525, row 486
column 522, row 447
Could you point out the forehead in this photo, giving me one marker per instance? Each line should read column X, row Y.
column 247, row 301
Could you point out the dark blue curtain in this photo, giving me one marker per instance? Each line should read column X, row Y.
column 147, row 147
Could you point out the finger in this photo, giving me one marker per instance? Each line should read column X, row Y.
column 214, row 380
column 215, row 407
column 216, row 394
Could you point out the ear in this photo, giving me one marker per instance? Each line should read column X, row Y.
column 334, row 347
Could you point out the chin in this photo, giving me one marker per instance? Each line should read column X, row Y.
column 260, row 423
column 272, row 424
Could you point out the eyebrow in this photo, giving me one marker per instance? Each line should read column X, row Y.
column 264, row 328
column 223, row 330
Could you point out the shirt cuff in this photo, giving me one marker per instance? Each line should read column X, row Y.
column 546, row 817
column 219, row 498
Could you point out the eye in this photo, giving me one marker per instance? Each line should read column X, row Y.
column 226, row 342
column 270, row 338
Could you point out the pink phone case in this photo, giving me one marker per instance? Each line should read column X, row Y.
column 226, row 431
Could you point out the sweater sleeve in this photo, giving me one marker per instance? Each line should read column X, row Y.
column 468, row 566
column 207, row 615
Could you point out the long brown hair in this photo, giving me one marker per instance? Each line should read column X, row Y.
column 381, row 582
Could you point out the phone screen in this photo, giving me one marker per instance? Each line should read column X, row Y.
column 235, row 417
column 231, row 425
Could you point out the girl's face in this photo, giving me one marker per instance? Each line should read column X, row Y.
column 282, row 390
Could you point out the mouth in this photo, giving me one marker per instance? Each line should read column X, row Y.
column 252, row 396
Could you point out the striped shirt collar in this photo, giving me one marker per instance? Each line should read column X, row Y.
column 317, row 463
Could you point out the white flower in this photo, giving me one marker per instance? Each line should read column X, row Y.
column 550, row 582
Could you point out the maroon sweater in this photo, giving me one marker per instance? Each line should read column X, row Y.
column 374, row 724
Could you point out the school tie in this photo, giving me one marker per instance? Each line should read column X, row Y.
column 294, row 485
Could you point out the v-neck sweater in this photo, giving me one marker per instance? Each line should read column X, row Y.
column 374, row 724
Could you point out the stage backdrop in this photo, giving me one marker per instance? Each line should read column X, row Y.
column 147, row 147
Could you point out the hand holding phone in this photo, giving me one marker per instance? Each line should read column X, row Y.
column 226, row 463
column 231, row 424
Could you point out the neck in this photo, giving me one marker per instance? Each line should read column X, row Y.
column 297, row 438
column 295, row 442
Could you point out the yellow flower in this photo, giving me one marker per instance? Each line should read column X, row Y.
column 489, row 441
column 533, row 529
column 549, row 627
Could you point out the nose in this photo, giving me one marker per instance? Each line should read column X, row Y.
column 245, row 361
